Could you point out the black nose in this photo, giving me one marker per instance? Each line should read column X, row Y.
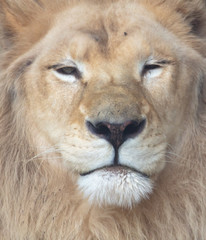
column 116, row 134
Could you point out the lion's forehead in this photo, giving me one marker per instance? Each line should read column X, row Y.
column 109, row 34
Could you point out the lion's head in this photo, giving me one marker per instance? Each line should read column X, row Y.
column 106, row 89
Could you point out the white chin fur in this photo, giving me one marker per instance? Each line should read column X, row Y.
column 119, row 188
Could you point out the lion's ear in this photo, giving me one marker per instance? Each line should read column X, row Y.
column 194, row 13
column 15, row 16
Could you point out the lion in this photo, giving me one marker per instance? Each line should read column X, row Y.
column 102, row 120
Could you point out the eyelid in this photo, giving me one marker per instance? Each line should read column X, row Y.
column 156, row 64
column 161, row 63
column 66, row 63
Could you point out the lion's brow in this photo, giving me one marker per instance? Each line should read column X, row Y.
column 22, row 66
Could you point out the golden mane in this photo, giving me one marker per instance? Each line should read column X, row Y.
column 37, row 202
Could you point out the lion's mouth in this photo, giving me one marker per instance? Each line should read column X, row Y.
column 116, row 169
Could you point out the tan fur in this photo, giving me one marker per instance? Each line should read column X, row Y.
column 39, row 198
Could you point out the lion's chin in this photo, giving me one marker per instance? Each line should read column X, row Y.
column 115, row 186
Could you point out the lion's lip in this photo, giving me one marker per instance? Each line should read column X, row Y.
column 118, row 169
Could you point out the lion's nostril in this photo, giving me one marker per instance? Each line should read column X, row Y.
column 103, row 129
column 116, row 134
column 133, row 128
column 100, row 129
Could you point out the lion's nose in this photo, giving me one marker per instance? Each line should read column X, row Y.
column 116, row 134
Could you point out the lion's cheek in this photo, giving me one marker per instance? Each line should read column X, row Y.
column 55, row 112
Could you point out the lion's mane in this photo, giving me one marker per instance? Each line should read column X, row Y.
column 37, row 202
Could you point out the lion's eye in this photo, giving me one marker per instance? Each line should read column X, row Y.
column 149, row 67
column 152, row 70
column 67, row 70
column 67, row 74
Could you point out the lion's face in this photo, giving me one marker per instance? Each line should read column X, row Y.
column 108, row 96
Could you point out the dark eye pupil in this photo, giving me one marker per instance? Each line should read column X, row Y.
column 67, row 70
column 150, row 67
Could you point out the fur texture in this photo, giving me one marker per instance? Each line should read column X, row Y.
column 39, row 196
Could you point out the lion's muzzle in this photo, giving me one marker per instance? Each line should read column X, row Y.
column 116, row 134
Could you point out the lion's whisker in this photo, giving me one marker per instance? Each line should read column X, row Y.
column 39, row 155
